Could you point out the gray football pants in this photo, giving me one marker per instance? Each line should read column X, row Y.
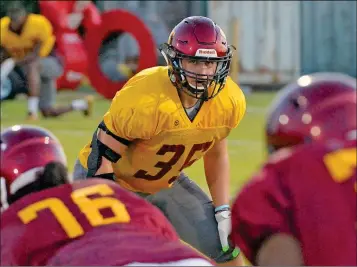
column 189, row 210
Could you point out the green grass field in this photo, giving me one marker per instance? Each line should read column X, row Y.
column 246, row 143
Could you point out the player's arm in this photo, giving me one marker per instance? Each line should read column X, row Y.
column 217, row 171
column 44, row 42
column 280, row 250
column 109, row 147
column 216, row 160
column 261, row 218
column 33, row 78
column 216, row 164
column 46, row 37
column 105, row 148
column 31, row 56
column 124, row 122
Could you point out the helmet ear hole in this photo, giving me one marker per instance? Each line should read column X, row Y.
column 168, row 53
column 295, row 103
column 171, row 52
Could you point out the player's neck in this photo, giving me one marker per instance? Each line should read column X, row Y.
column 186, row 100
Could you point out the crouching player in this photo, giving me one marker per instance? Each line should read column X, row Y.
column 50, row 221
column 300, row 209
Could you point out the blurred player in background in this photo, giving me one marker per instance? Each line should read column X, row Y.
column 300, row 208
column 92, row 222
column 27, row 41
column 165, row 119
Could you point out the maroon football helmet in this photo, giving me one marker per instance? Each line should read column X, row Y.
column 319, row 106
column 24, row 150
column 200, row 39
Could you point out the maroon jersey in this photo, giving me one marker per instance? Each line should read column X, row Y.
column 119, row 248
column 97, row 218
column 308, row 192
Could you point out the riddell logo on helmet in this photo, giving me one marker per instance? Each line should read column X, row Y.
column 206, row 53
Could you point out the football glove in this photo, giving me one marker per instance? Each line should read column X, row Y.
column 223, row 218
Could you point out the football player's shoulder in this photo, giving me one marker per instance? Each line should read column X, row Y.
column 148, row 81
column 158, row 72
column 332, row 152
column 233, row 98
column 290, row 158
column 39, row 21
column 309, row 152
column 233, row 91
column 143, row 90
column 5, row 21
column 136, row 105
column 38, row 18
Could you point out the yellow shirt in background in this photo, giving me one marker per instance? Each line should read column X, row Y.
column 36, row 29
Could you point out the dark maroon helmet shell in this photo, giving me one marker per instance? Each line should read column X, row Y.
column 201, row 39
column 195, row 33
column 316, row 107
column 25, row 147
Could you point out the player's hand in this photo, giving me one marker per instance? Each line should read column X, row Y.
column 223, row 218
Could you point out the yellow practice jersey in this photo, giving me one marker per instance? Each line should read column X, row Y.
column 148, row 112
column 36, row 29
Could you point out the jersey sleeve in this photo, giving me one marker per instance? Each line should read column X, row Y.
column 239, row 105
column 260, row 210
column 4, row 22
column 130, row 116
column 234, row 107
column 45, row 36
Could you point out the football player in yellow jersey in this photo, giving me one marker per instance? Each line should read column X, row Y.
column 27, row 40
column 162, row 121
